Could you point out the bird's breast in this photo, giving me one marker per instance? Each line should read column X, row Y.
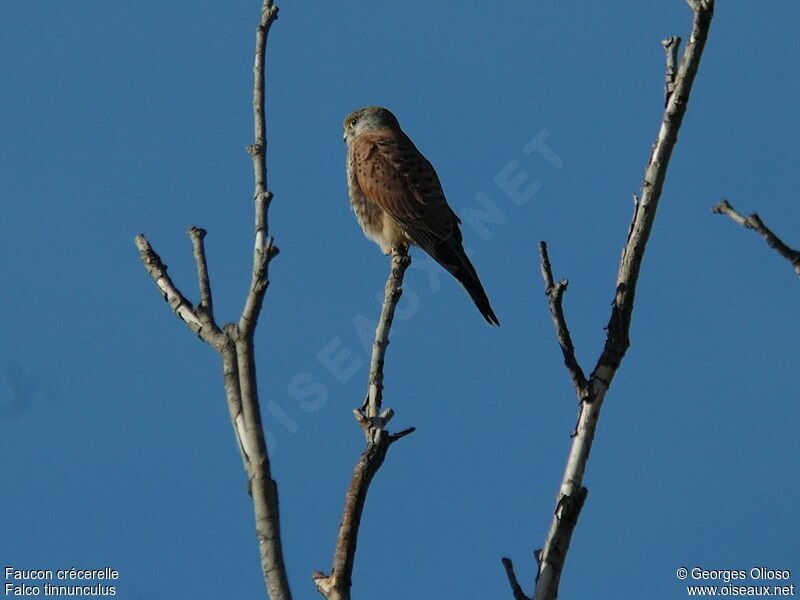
column 375, row 222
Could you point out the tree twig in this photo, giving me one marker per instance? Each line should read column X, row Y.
column 180, row 305
column 755, row 223
column 247, row 424
column 516, row 590
column 555, row 294
column 205, row 310
column 617, row 341
column 572, row 493
column 372, row 421
column 263, row 248
column 392, row 292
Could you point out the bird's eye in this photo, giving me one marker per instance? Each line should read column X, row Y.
column 353, row 122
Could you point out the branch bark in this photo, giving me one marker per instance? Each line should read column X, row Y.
column 372, row 421
column 516, row 589
column 671, row 47
column 555, row 294
column 755, row 223
column 572, row 493
column 234, row 341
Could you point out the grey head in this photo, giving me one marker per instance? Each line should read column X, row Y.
column 368, row 119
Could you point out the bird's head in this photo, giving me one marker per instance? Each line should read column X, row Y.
column 368, row 119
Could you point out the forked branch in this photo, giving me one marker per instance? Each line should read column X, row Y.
column 572, row 493
column 372, row 421
column 234, row 341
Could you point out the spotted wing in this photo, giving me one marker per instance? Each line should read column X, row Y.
column 393, row 174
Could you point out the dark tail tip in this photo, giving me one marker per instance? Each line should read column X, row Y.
column 452, row 257
column 490, row 317
column 475, row 290
column 487, row 313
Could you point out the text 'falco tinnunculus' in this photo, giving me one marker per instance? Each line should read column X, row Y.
column 398, row 200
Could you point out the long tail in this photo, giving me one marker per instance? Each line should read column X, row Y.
column 453, row 258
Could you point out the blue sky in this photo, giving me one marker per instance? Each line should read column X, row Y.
column 120, row 118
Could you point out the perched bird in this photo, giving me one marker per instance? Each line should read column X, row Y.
column 398, row 199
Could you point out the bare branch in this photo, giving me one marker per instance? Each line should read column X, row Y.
column 263, row 489
column 617, row 341
column 392, row 293
column 512, row 580
column 401, row 434
column 233, row 394
column 755, row 223
column 552, row 557
column 235, row 343
column 205, row 310
column 180, row 305
column 247, row 424
column 572, row 494
column 337, row 585
column 555, row 293
column 258, row 150
column 372, row 421
column 258, row 286
column 263, row 250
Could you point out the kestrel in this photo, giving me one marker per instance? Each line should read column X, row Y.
column 398, row 200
